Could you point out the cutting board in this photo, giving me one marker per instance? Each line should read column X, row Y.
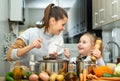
column 107, row 79
column 110, row 78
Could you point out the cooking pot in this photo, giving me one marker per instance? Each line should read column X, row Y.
column 53, row 66
column 81, row 65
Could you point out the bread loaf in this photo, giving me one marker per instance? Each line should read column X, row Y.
column 97, row 46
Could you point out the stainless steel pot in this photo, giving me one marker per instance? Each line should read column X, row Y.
column 53, row 66
column 81, row 65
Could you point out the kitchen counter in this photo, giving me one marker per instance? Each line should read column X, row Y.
column 100, row 80
column 3, row 79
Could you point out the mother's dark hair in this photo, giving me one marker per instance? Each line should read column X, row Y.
column 52, row 11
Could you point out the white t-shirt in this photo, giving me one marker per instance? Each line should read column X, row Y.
column 99, row 62
column 48, row 44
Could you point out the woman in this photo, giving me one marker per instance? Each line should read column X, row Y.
column 41, row 40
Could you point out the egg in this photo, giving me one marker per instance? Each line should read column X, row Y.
column 33, row 77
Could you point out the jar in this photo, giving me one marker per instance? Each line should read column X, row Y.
column 18, row 72
column 81, row 65
column 118, row 60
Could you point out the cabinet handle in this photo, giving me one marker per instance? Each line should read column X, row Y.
column 96, row 18
column 114, row 9
column 102, row 15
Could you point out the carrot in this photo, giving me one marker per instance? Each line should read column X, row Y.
column 64, row 67
column 95, row 77
column 84, row 74
column 102, row 69
column 91, row 76
column 81, row 77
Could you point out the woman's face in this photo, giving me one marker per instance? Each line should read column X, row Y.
column 58, row 26
column 84, row 45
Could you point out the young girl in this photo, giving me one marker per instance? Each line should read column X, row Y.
column 86, row 49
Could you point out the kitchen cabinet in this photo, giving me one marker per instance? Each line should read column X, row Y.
column 118, row 9
column 98, row 13
column 102, row 13
column 95, row 14
column 105, row 12
column 112, row 9
column 16, row 10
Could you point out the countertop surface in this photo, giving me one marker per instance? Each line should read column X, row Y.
column 3, row 79
column 117, row 79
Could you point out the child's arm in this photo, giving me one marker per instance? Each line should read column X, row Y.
column 100, row 62
column 98, row 55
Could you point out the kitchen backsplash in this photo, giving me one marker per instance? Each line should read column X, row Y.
column 111, row 35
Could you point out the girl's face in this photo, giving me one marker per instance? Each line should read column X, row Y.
column 85, row 46
column 57, row 26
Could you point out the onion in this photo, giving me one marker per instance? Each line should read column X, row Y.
column 44, row 76
column 33, row 77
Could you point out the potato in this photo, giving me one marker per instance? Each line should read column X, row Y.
column 44, row 76
column 53, row 77
column 33, row 77
column 60, row 77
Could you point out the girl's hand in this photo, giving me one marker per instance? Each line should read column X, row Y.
column 36, row 43
column 96, row 53
column 67, row 52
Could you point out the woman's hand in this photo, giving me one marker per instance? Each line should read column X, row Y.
column 67, row 52
column 54, row 54
column 96, row 53
column 36, row 43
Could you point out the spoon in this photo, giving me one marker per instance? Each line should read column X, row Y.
column 59, row 46
column 63, row 48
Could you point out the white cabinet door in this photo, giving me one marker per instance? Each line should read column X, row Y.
column 105, row 12
column 112, row 10
column 118, row 8
column 16, row 10
column 99, row 13
column 102, row 12
column 95, row 13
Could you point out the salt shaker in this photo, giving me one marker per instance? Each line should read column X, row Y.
column 32, row 62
